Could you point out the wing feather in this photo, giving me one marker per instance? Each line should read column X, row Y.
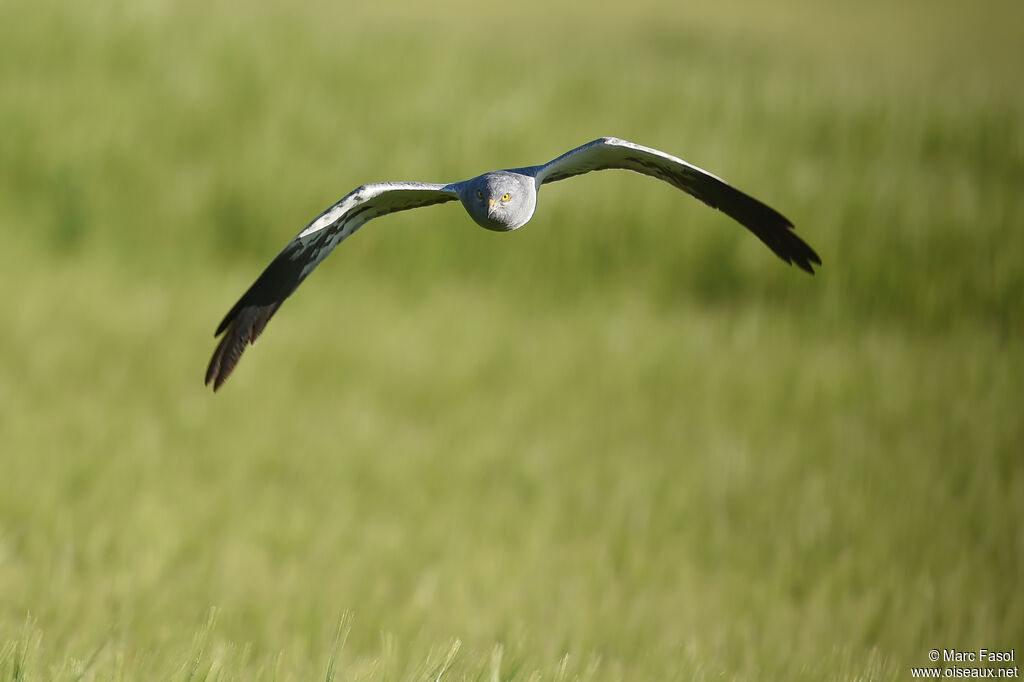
column 249, row 316
column 774, row 229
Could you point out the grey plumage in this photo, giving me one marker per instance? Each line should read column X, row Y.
column 499, row 200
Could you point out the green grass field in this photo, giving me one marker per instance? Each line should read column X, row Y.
column 622, row 443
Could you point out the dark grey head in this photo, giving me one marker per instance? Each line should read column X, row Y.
column 500, row 200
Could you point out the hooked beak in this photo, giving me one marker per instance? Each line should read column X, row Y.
column 490, row 202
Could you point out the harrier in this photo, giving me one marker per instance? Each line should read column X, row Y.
column 501, row 200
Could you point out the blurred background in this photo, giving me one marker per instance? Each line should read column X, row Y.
column 624, row 442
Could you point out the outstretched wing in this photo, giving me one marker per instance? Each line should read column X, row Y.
column 609, row 152
column 246, row 320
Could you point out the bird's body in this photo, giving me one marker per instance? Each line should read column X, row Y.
column 500, row 200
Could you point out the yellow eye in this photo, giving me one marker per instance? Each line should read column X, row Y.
column 506, row 196
column 479, row 194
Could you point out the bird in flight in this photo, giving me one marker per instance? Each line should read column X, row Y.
column 501, row 200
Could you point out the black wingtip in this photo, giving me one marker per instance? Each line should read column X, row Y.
column 770, row 226
column 777, row 233
column 240, row 330
column 800, row 254
column 250, row 314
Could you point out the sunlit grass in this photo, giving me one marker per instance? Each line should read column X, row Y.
column 625, row 442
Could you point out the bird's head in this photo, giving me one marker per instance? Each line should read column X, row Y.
column 501, row 200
